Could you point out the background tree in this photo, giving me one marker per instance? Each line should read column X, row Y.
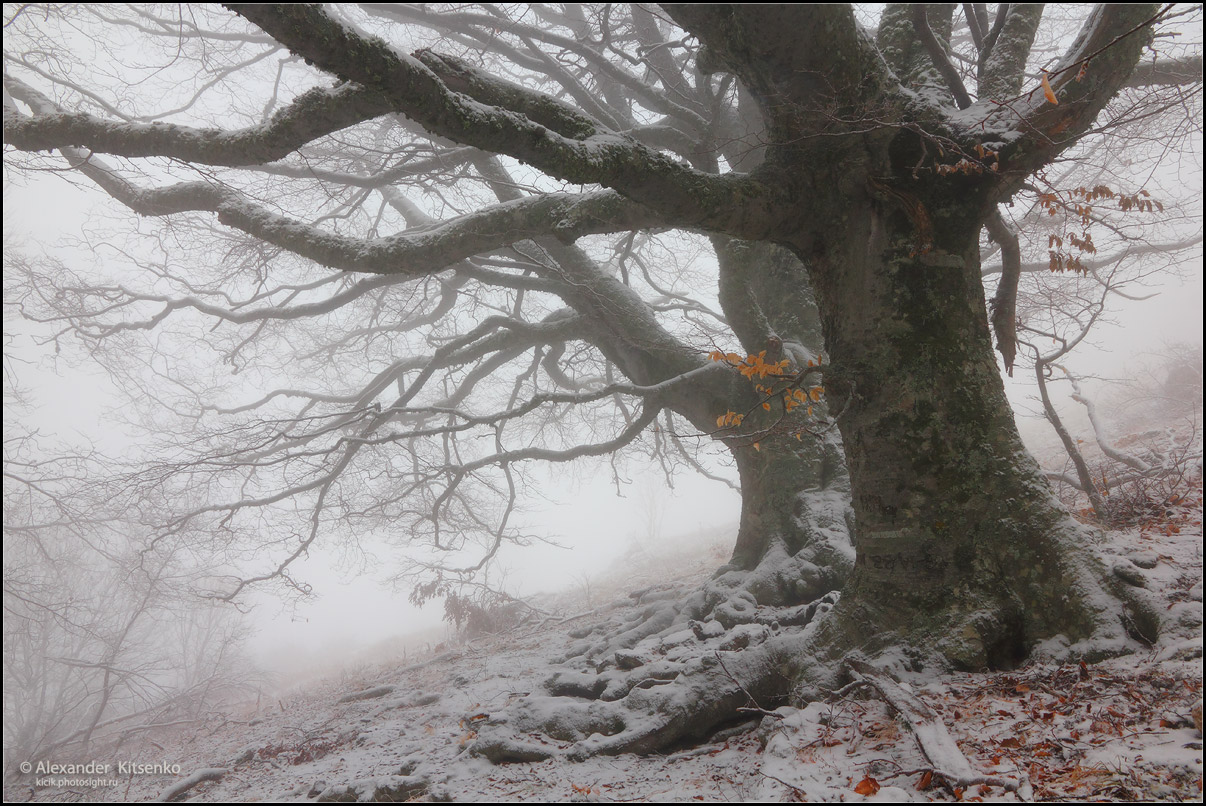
column 102, row 640
column 842, row 177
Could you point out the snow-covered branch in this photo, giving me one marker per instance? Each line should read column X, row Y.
column 577, row 150
column 314, row 114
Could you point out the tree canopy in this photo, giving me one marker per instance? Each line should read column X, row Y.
column 383, row 257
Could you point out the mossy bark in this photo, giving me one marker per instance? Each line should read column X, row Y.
column 794, row 489
column 796, row 494
column 961, row 548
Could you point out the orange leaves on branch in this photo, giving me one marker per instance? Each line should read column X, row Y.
column 1140, row 201
column 730, row 419
column 1084, row 243
column 780, row 382
column 1060, row 263
column 988, row 158
column 793, row 398
column 964, row 166
column 752, row 365
column 1080, row 202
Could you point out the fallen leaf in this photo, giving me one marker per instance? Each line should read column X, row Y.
column 867, row 786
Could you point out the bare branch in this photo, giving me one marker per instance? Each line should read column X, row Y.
column 314, row 114
column 1167, row 72
column 676, row 191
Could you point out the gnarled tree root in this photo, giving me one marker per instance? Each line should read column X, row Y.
column 674, row 674
column 684, row 683
column 176, row 791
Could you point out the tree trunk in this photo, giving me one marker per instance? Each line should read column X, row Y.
column 961, row 547
column 795, row 492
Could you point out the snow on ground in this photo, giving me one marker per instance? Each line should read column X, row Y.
column 1119, row 730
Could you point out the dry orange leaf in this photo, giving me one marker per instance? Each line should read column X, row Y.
column 1049, row 93
column 867, row 786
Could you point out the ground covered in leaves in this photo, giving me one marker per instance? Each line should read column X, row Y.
column 1119, row 730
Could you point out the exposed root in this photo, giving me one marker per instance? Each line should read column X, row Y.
column 711, row 691
column 783, row 590
column 674, row 671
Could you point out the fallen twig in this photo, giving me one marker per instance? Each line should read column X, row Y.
column 755, row 708
column 946, row 759
column 177, row 789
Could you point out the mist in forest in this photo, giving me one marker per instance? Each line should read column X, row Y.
column 191, row 519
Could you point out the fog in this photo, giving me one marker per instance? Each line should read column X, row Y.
column 355, row 608
column 101, row 388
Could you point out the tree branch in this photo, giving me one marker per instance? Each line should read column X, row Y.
column 1088, row 76
column 1090, row 265
column 950, row 75
column 974, row 25
column 1002, row 63
column 565, row 216
column 1167, row 72
column 313, row 114
column 645, row 93
column 595, row 156
column 1005, row 302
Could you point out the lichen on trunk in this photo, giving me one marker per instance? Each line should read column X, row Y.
column 962, row 551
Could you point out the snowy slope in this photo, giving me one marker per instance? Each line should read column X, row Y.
column 1115, row 731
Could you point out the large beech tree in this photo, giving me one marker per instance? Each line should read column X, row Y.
column 458, row 168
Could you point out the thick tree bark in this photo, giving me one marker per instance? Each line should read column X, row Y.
column 961, row 549
column 796, row 494
column 961, row 546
